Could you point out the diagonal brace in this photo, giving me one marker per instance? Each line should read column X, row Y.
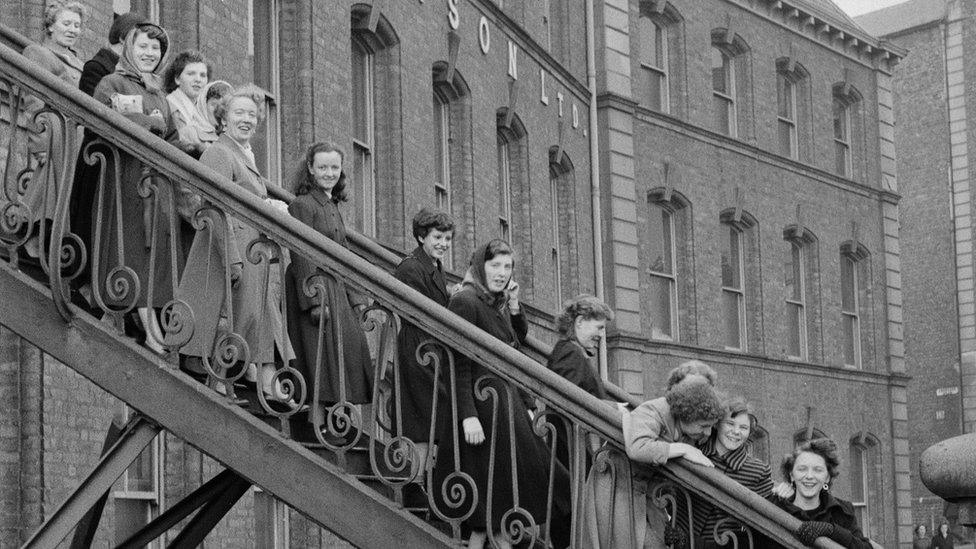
column 204, row 521
column 138, row 433
column 206, row 492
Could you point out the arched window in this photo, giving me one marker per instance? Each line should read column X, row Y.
column 668, row 214
column 564, row 255
column 801, row 289
column 659, row 27
column 740, row 281
column 846, row 120
column 804, row 435
column 377, row 138
column 759, row 444
column 514, row 198
column 730, row 86
column 865, row 485
column 854, row 279
column 452, row 144
column 792, row 106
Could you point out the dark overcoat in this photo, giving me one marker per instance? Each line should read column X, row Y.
column 319, row 212
column 532, row 465
column 139, row 215
column 569, row 360
column 834, row 510
column 256, row 297
column 422, row 273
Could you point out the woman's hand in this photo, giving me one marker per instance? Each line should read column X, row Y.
column 318, row 311
column 473, row 433
column 513, row 296
column 236, row 271
column 690, row 453
column 783, row 490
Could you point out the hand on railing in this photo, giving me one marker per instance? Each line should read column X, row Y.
column 473, row 432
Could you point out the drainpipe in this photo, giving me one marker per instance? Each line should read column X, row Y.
column 595, row 172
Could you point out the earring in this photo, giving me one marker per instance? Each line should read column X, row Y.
column 826, row 487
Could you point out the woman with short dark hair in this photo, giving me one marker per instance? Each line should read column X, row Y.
column 422, row 270
column 186, row 78
column 811, row 469
column 728, row 450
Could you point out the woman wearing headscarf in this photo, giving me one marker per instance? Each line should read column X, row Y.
column 489, row 299
column 141, row 204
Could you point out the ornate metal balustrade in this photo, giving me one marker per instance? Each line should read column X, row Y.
column 135, row 257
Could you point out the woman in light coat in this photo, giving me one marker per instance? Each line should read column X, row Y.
column 251, row 307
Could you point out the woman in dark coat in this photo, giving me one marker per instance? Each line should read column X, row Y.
column 135, row 91
column 581, row 327
column 811, row 468
column 320, row 185
column 488, row 299
column 943, row 538
column 423, row 271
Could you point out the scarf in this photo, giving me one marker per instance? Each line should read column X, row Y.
column 476, row 278
column 198, row 128
column 152, row 81
column 201, row 103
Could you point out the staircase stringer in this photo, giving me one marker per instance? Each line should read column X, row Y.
column 199, row 416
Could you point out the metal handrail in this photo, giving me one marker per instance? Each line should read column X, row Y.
column 360, row 274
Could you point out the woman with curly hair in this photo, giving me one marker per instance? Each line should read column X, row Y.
column 657, row 431
column 811, row 469
column 581, row 328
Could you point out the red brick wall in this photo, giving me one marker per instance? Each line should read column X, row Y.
column 931, row 331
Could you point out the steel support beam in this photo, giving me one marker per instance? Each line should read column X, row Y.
column 138, row 433
column 172, row 516
column 198, row 415
column 85, row 532
column 208, row 517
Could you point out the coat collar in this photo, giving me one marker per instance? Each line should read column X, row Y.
column 320, row 196
column 229, row 142
column 734, row 459
column 430, row 264
column 827, row 504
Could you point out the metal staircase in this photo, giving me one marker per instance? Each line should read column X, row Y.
column 350, row 468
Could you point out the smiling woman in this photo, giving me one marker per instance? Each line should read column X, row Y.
column 186, row 78
column 134, row 90
column 810, row 469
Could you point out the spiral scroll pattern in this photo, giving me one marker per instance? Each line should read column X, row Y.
column 519, row 526
column 230, row 349
column 122, row 289
column 290, row 383
column 72, row 258
column 176, row 323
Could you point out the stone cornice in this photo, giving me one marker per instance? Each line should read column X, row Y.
column 839, row 36
column 636, row 342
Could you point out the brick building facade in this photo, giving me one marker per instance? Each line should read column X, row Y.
column 932, row 94
column 482, row 107
column 750, row 220
column 433, row 102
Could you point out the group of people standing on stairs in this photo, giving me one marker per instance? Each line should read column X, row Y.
column 459, row 434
